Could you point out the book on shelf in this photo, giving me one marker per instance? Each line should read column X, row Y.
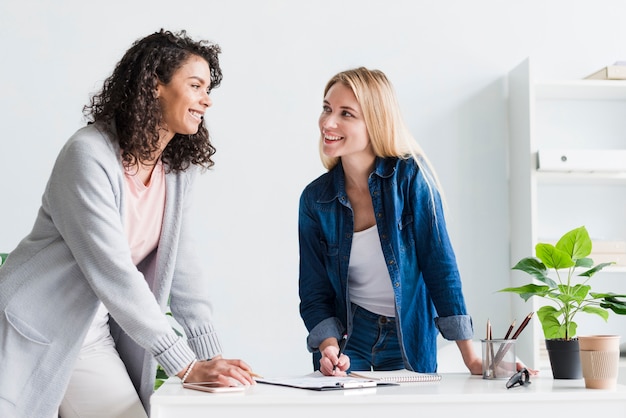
column 618, row 259
column 616, row 71
column 609, row 246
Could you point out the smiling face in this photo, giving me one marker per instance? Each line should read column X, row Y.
column 342, row 126
column 185, row 98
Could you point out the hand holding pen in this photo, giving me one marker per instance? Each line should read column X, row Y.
column 333, row 363
column 342, row 346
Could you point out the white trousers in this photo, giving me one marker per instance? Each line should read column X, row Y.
column 100, row 386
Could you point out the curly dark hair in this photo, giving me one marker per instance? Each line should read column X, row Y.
column 128, row 98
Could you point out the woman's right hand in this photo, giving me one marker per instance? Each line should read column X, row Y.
column 330, row 364
column 224, row 371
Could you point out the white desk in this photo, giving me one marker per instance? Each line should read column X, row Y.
column 454, row 394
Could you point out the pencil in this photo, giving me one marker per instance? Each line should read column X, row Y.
column 508, row 333
column 500, row 352
column 504, row 348
column 522, row 326
column 490, row 352
column 253, row 374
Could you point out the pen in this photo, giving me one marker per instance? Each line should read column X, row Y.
column 508, row 333
column 342, row 345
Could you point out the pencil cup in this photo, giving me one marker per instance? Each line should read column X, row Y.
column 498, row 359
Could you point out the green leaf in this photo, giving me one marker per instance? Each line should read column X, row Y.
column 531, row 265
column 535, row 268
column 596, row 269
column 160, row 374
column 158, row 383
column 596, row 311
column 548, row 317
column 606, row 295
column 553, row 257
column 575, row 293
column 584, row 262
column 612, row 302
column 576, row 243
column 528, row 291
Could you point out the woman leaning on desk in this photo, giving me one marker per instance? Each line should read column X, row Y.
column 376, row 262
column 83, row 296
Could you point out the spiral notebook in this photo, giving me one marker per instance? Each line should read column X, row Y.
column 397, row 376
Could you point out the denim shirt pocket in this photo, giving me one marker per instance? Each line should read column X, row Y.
column 405, row 226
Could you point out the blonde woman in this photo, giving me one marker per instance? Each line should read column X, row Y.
column 376, row 262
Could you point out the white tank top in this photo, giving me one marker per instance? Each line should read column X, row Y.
column 369, row 284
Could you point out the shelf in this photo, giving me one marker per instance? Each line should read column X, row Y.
column 581, row 90
column 578, row 177
column 584, row 120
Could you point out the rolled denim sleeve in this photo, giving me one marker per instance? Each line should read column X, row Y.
column 456, row 327
column 328, row 328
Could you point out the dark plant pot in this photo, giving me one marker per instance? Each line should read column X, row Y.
column 565, row 358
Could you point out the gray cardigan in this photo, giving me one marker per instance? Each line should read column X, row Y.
column 76, row 254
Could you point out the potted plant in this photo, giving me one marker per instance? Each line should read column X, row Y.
column 569, row 294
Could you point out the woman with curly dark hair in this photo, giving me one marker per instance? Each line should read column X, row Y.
column 83, row 296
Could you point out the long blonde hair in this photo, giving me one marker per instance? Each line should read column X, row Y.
column 383, row 120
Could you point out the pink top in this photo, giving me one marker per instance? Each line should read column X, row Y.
column 144, row 212
column 144, row 217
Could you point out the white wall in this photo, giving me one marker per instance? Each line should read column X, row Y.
column 448, row 60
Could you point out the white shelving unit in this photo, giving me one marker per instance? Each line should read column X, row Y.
column 573, row 115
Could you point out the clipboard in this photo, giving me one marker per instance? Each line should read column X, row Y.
column 321, row 383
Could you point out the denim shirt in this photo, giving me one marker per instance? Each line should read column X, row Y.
column 417, row 250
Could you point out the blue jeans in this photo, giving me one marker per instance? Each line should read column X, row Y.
column 373, row 344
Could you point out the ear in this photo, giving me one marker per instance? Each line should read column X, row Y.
column 157, row 90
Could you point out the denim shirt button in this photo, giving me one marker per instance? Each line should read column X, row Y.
column 392, row 262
